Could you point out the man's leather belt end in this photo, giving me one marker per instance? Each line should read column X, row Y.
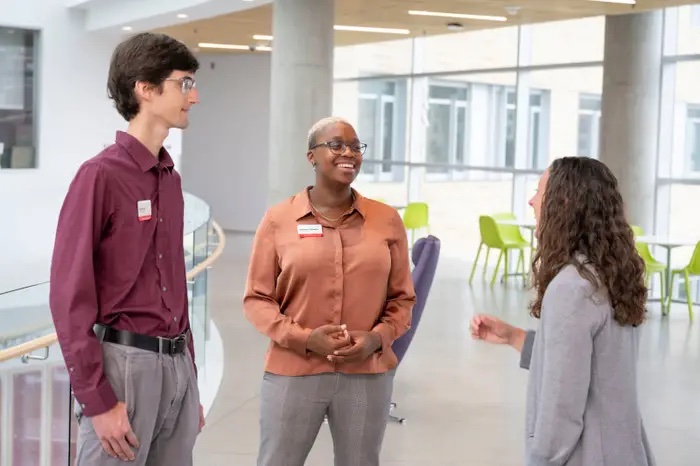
column 160, row 345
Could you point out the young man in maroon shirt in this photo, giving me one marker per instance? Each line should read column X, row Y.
column 118, row 288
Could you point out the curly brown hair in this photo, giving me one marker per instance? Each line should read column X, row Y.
column 583, row 213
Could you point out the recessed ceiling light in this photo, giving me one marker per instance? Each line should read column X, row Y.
column 209, row 45
column 371, row 29
column 261, row 37
column 182, row 15
column 457, row 15
column 127, row 28
column 252, row 48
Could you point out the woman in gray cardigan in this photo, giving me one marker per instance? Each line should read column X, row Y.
column 582, row 403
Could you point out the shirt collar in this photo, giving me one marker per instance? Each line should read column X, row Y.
column 141, row 155
column 302, row 204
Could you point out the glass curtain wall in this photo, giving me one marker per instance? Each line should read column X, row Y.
column 678, row 184
column 467, row 121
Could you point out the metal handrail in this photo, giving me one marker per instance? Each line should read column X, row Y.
column 24, row 349
column 21, row 288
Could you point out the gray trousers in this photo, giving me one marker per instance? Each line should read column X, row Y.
column 162, row 402
column 293, row 408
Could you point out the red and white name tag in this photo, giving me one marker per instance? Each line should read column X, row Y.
column 144, row 210
column 310, row 231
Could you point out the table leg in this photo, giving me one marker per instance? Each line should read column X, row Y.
column 668, row 279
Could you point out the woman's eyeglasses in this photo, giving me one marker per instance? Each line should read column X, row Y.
column 338, row 147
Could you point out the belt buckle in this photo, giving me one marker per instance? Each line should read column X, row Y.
column 178, row 344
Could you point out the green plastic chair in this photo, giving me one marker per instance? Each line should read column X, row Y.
column 693, row 268
column 510, row 233
column 651, row 265
column 416, row 217
column 501, row 237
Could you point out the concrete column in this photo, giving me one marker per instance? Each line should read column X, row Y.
column 630, row 108
column 301, row 88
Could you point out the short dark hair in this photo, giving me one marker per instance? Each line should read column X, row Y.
column 148, row 57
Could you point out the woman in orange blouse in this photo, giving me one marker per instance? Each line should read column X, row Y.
column 329, row 283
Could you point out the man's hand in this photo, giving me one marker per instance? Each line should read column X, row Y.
column 114, row 431
column 201, row 417
column 362, row 345
column 327, row 338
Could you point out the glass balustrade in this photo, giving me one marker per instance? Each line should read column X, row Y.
column 37, row 427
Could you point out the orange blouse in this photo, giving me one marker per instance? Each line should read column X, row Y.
column 300, row 278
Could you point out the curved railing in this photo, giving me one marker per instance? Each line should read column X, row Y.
column 34, row 344
column 36, row 422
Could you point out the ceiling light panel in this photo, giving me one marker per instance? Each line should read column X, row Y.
column 339, row 27
column 439, row 14
column 622, row 2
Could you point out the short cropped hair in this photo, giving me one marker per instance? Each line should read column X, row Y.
column 321, row 125
column 148, row 57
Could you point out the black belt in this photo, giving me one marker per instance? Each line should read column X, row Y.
column 162, row 345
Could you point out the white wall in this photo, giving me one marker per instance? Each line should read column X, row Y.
column 75, row 120
column 225, row 149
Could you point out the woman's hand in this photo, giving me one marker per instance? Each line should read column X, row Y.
column 494, row 330
column 362, row 345
column 326, row 339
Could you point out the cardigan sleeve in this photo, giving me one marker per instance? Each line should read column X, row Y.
column 526, row 351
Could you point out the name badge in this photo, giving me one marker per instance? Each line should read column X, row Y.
column 310, row 231
column 144, row 210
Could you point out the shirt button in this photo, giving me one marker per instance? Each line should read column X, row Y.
column 175, row 319
column 165, row 288
column 83, row 405
column 160, row 256
column 71, row 369
column 160, row 220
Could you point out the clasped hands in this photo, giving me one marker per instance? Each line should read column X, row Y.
column 339, row 345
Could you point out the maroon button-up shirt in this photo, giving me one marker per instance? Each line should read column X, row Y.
column 115, row 263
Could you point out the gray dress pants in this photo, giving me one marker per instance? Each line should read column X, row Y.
column 293, row 408
column 162, row 400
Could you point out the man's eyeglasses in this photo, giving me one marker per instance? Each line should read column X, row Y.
column 338, row 147
column 187, row 83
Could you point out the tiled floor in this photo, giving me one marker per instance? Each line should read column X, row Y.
column 464, row 401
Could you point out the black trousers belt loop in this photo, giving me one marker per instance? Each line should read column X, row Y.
column 162, row 345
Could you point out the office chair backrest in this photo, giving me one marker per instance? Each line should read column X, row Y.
column 425, row 256
column 416, row 215
column 694, row 265
column 490, row 233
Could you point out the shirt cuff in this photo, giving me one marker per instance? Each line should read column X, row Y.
column 526, row 351
column 97, row 401
column 386, row 333
column 297, row 339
